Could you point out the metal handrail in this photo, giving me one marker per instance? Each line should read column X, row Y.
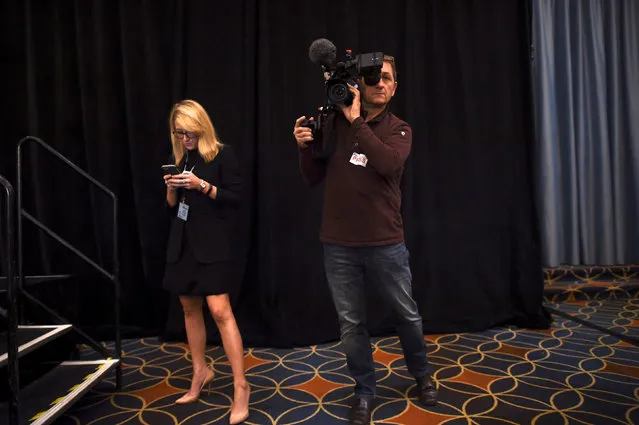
column 12, row 343
column 62, row 241
column 113, row 277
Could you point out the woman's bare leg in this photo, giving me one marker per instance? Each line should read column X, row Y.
column 220, row 307
column 196, row 335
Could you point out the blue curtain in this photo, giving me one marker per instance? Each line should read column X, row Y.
column 586, row 92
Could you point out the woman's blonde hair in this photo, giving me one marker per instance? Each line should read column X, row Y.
column 188, row 115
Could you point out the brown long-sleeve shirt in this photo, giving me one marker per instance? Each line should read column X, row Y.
column 362, row 204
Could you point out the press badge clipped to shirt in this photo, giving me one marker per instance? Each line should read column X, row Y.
column 359, row 159
column 183, row 211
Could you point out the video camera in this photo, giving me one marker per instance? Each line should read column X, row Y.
column 340, row 74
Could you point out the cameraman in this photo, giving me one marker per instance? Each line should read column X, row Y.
column 362, row 228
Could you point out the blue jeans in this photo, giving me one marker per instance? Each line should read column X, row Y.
column 388, row 268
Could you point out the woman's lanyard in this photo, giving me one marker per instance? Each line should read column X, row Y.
column 184, row 192
column 183, row 209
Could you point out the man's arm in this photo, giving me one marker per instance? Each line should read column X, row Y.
column 313, row 171
column 386, row 157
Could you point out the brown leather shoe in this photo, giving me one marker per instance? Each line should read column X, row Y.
column 427, row 391
column 360, row 413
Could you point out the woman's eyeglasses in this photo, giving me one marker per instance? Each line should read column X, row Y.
column 181, row 133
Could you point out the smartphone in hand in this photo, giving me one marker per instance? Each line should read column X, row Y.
column 171, row 169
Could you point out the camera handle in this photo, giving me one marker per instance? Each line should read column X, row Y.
column 318, row 123
column 321, row 149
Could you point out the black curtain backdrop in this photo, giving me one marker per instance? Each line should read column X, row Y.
column 96, row 80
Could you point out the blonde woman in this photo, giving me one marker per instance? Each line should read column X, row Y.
column 200, row 265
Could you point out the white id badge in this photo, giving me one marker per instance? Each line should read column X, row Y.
column 359, row 159
column 183, row 211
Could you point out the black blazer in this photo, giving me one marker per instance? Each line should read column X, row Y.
column 210, row 222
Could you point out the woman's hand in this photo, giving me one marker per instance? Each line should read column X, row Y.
column 186, row 180
column 167, row 181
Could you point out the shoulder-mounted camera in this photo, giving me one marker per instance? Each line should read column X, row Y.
column 340, row 74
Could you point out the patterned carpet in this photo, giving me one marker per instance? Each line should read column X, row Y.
column 573, row 283
column 570, row 374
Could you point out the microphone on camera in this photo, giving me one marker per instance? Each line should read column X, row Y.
column 323, row 52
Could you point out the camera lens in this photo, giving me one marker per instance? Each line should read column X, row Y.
column 338, row 92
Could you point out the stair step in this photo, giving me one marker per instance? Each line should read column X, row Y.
column 47, row 398
column 31, row 337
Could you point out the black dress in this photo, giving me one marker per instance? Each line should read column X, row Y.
column 200, row 260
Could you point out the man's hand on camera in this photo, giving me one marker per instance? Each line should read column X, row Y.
column 302, row 134
column 352, row 112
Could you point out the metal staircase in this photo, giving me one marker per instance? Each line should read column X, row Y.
column 29, row 338
column 64, row 381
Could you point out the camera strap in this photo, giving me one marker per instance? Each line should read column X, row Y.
column 328, row 143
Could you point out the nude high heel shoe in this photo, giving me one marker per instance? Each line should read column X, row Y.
column 186, row 399
column 241, row 417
